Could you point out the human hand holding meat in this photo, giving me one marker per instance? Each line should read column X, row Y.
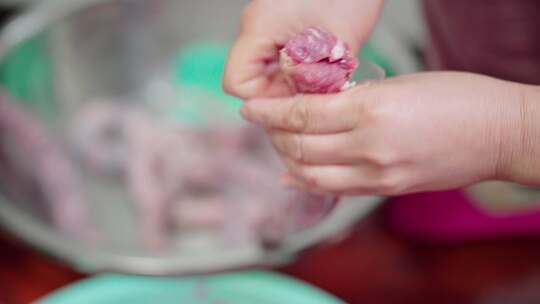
column 413, row 133
column 253, row 68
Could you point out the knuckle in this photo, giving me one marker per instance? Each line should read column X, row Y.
column 374, row 111
column 293, row 146
column 234, row 88
column 299, row 116
column 381, row 159
column 247, row 14
column 290, row 145
column 228, row 84
column 390, row 184
column 313, row 180
column 309, row 176
column 294, row 167
column 373, row 114
column 297, row 146
column 348, row 108
column 252, row 13
column 278, row 142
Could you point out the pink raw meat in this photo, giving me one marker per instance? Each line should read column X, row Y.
column 190, row 179
column 315, row 61
column 35, row 152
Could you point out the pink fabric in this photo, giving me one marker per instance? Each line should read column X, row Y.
column 451, row 216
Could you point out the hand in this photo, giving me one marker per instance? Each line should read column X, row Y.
column 422, row 132
column 252, row 69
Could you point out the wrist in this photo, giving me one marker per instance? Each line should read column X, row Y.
column 519, row 143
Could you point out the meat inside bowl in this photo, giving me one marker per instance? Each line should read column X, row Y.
column 172, row 178
column 130, row 178
column 217, row 179
column 121, row 152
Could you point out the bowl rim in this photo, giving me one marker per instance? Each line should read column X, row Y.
column 74, row 252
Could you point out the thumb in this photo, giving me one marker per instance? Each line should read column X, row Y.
column 252, row 69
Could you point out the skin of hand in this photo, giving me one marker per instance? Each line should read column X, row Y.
column 421, row 132
column 252, row 69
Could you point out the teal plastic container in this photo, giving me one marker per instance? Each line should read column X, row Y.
column 250, row 287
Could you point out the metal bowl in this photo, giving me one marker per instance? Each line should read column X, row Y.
column 62, row 54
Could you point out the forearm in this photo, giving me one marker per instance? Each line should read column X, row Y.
column 520, row 144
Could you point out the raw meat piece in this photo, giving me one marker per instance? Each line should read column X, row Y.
column 165, row 164
column 98, row 137
column 204, row 212
column 33, row 152
column 221, row 180
column 315, row 61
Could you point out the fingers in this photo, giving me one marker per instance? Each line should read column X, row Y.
column 324, row 179
column 361, row 179
column 291, row 181
column 252, row 70
column 334, row 149
column 311, row 114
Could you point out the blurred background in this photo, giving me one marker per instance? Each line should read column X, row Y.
column 71, row 70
